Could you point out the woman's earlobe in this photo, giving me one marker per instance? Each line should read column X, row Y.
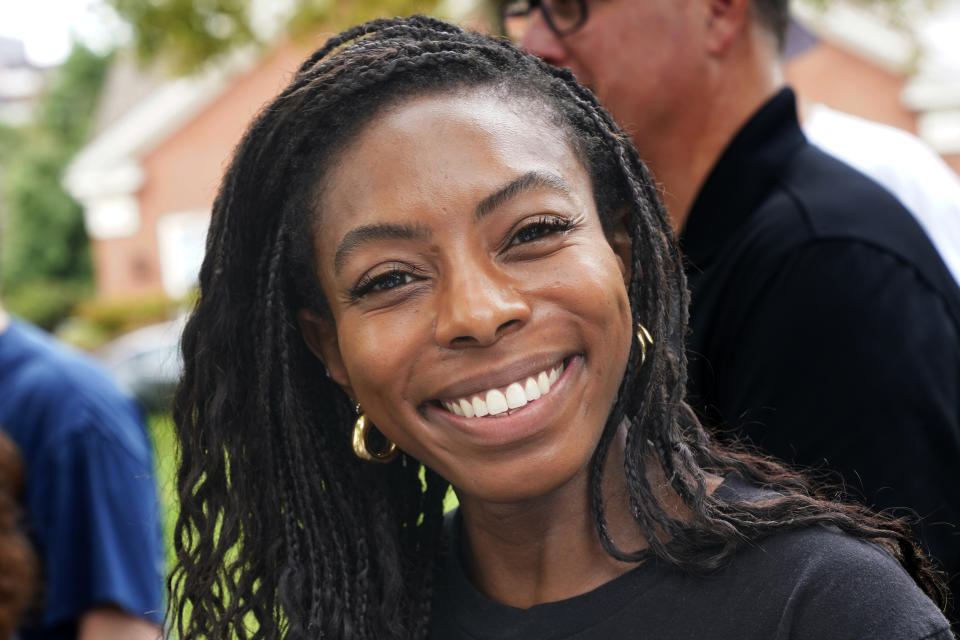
column 320, row 335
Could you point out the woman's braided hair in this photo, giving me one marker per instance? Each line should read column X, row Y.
column 282, row 532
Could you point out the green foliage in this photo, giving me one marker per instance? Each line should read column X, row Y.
column 44, row 244
column 187, row 34
column 94, row 322
column 165, row 461
column 82, row 335
column 66, row 111
column 46, row 303
column 44, row 238
column 117, row 316
column 8, row 142
column 338, row 14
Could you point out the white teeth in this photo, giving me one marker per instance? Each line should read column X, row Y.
column 543, row 382
column 516, row 398
column 479, row 407
column 496, row 402
column 516, row 395
column 531, row 389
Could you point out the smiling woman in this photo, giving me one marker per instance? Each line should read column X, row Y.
column 468, row 289
column 436, row 248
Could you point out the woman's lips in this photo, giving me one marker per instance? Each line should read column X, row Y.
column 496, row 401
column 514, row 425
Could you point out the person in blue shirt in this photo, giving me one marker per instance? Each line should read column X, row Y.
column 89, row 492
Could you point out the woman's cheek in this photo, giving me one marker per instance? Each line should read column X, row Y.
column 377, row 347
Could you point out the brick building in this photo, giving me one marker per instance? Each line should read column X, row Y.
column 148, row 177
column 862, row 65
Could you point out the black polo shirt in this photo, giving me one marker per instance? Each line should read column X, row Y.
column 824, row 325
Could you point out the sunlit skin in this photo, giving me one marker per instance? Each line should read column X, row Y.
column 680, row 76
column 452, row 302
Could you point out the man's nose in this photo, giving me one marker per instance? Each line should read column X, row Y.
column 541, row 41
column 478, row 305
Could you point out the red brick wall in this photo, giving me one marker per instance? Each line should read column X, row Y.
column 184, row 171
column 839, row 79
column 127, row 267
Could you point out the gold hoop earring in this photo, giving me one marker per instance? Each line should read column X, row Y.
column 360, row 429
column 645, row 340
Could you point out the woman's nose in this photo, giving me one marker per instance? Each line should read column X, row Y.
column 478, row 306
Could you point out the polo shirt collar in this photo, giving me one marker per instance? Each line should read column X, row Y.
column 742, row 177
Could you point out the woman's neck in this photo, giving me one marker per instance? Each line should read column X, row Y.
column 548, row 549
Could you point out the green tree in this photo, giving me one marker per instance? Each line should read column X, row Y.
column 45, row 257
column 190, row 33
column 187, row 34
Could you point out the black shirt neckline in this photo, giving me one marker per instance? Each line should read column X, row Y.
column 741, row 178
column 476, row 614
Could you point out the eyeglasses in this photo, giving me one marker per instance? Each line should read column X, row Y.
column 562, row 16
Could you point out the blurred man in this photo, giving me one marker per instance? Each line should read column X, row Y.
column 89, row 491
column 824, row 324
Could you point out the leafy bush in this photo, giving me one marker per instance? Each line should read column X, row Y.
column 115, row 316
column 45, row 251
column 81, row 334
column 46, row 303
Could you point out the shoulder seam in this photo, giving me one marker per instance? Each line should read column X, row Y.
column 817, row 239
column 90, row 427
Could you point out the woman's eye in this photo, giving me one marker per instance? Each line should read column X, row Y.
column 542, row 227
column 390, row 281
column 383, row 282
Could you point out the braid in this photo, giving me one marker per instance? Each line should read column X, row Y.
column 281, row 532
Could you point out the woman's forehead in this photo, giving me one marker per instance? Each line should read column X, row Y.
column 458, row 123
column 445, row 150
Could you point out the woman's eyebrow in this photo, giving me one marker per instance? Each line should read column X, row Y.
column 372, row 232
column 526, row 182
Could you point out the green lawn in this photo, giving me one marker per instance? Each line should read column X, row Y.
column 165, row 464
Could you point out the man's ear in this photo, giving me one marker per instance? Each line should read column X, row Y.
column 320, row 334
column 726, row 19
column 622, row 245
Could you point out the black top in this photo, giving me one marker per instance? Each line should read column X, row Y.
column 824, row 325
column 811, row 584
